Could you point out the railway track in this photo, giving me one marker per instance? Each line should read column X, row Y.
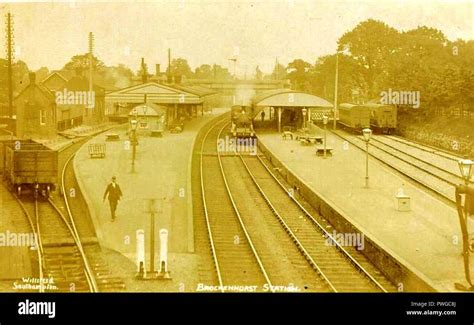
column 426, row 148
column 73, row 261
column 60, row 253
column 445, row 170
column 235, row 259
column 278, row 240
column 335, row 264
column 438, row 180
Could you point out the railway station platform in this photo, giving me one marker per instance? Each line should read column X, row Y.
column 426, row 240
column 163, row 172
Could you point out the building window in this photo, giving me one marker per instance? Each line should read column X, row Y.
column 42, row 117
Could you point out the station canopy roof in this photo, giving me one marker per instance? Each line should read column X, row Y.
column 147, row 109
column 289, row 98
column 156, row 93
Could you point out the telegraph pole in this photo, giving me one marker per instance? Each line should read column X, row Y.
column 335, row 90
column 91, row 55
column 10, row 53
column 169, row 66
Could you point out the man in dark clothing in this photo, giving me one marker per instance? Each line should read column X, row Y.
column 114, row 193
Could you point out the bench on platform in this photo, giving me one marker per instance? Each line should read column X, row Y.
column 97, row 150
column 305, row 141
column 176, row 127
column 287, row 134
column 320, row 151
column 112, row 137
column 308, row 139
column 157, row 133
column 317, row 139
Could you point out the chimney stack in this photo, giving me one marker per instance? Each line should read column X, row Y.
column 144, row 72
column 157, row 69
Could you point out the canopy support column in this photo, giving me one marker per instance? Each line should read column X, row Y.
column 279, row 119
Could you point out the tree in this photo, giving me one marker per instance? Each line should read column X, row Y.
column 42, row 73
column 117, row 77
column 19, row 77
column 180, row 67
column 221, row 72
column 204, row 71
column 322, row 78
column 82, row 62
column 371, row 44
column 298, row 73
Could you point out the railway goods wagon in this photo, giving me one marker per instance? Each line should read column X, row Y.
column 354, row 117
column 383, row 118
column 30, row 167
column 241, row 122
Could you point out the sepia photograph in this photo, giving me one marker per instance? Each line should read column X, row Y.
column 300, row 148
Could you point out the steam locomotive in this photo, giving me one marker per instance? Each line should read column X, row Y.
column 241, row 121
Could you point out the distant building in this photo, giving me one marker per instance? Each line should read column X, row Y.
column 55, row 81
column 75, row 104
column 35, row 111
column 181, row 102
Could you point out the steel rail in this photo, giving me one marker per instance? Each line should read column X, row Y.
column 71, row 225
column 239, row 217
column 324, row 231
column 414, row 179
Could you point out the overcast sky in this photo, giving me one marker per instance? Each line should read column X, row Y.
column 205, row 31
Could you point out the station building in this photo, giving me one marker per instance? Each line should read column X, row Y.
column 72, row 98
column 181, row 102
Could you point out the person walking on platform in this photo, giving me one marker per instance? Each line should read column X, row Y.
column 114, row 193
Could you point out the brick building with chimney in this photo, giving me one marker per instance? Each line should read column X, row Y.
column 35, row 111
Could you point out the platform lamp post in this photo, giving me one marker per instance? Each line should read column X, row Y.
column 367, row 133
column 465, row 167
column 145, row 109
column 133, row 124
column 304, row 111
column 325, row 122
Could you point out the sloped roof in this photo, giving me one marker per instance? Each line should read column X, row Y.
column 45, row 91
column 155, row 93
column 289, row 98
column 54, row 74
